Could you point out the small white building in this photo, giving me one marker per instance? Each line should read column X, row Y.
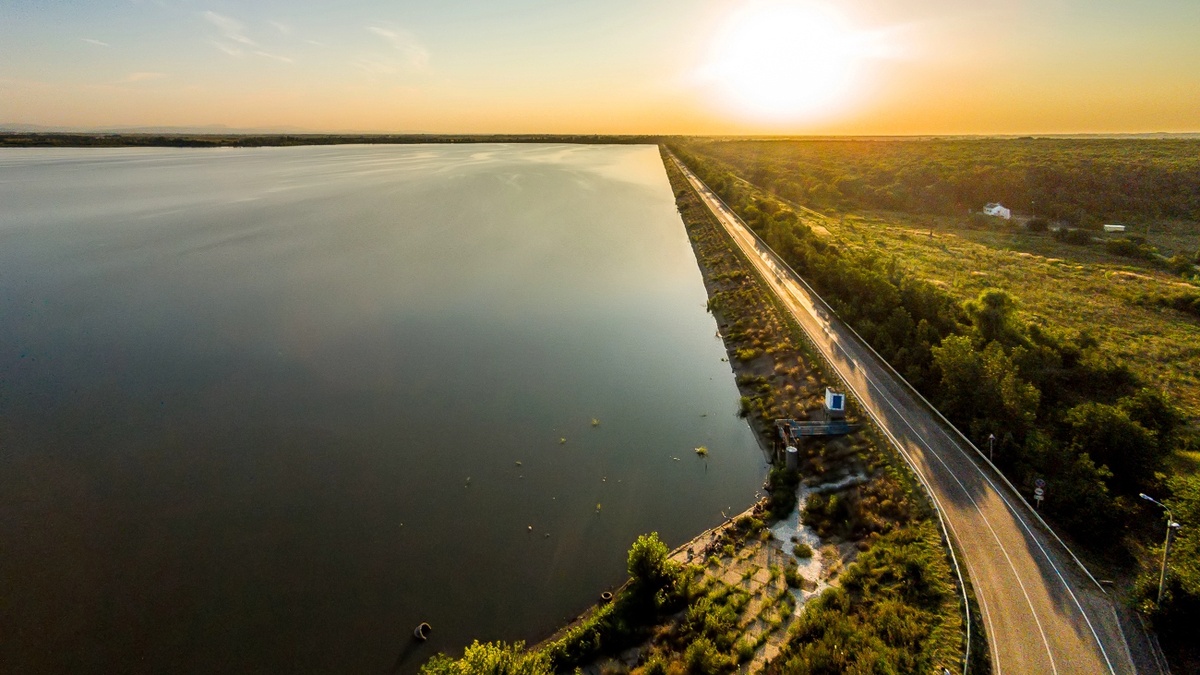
column 835, row 405
column 998, row 211
column 1113, row 227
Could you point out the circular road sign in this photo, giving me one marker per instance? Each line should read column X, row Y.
column 1038, row 492
column 1040, row 483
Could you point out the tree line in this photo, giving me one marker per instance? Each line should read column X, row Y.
column 1058, row 407
column 1082, row 182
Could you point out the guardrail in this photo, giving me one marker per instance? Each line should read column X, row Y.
column 878, row 423
column 1033, row 511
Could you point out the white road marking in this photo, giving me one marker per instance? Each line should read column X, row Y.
column 802, row 301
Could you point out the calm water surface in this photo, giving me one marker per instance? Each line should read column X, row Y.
column 267, row 409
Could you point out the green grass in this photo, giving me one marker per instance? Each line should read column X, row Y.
column 893, row 606
column 1054, row 283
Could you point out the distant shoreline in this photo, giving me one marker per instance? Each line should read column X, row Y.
column 129, row 139
column 236, row 140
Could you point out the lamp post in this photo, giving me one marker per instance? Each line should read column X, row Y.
column 991, row 447
column 1171, row 525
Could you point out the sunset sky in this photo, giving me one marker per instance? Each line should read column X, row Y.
column 606, row 66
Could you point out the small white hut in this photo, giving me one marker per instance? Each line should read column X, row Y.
column 997, row 210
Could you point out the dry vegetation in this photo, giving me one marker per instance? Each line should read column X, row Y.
column 1079, row 349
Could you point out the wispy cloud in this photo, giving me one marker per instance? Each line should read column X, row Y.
column 281, row 27
column 275, row 57
column 374, row 66
column 227, row 48
column 413, row 53
column 98, row 43
column 232, row 33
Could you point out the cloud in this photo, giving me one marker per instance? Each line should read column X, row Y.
column 231, row 30
column 98, row 43
column 374, row 66
column 227, row 48
column 281, row 27
column 275, row 57
column 413, row 53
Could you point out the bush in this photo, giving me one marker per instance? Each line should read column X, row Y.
column 802, row 550
column 1037, row 225
column 702, row 658
column 494, row 658
column 650, row 568
column 792, row 576
column 1131, row 247
column 782, row 485
column 1076, row 237
column 896, row 611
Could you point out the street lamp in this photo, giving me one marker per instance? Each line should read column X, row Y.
column 991, row 447
column 1171, row 525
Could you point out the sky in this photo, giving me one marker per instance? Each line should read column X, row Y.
column 606, row 66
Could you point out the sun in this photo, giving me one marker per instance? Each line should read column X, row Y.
column 784, row 60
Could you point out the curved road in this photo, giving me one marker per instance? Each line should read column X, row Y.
column 1041, row 613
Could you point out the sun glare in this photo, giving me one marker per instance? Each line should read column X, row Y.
column 784, row 60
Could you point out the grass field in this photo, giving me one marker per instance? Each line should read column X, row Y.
column 1077, row 288
column 1125, row 309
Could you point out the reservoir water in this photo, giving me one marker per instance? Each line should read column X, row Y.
column 264, row 410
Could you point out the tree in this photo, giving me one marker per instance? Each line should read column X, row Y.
column 1113, row 439
column 982, row 389
column 650, row 566
column 993, row 315
column 1156, row 413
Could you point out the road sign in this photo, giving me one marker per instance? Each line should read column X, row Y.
column 1040, row 483
column 1038, row 492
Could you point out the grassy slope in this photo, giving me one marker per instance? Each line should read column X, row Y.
column 1080, row 288
column 1097, row 293
column 938, row 620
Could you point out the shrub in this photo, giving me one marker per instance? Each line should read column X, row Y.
column 792, row 576
column 1131, row 247
column 650, row 568
column 1076, row 237
column 495, row 658
column 802, row 550
column 1037, row 225
column 702, row 658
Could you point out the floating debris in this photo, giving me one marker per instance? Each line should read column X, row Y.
column 518, row 463
column 704, row 414
column 531, row 528
column 468, row 482
column 598, row 506
column 561, row 441
column 702, row 451
column 675, row 458
column 595, row 422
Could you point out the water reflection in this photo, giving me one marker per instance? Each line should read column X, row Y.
column 242, row 392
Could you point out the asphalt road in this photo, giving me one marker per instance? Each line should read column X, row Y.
column 1041, row 612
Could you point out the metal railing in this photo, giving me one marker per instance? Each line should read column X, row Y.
column 845, row 381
